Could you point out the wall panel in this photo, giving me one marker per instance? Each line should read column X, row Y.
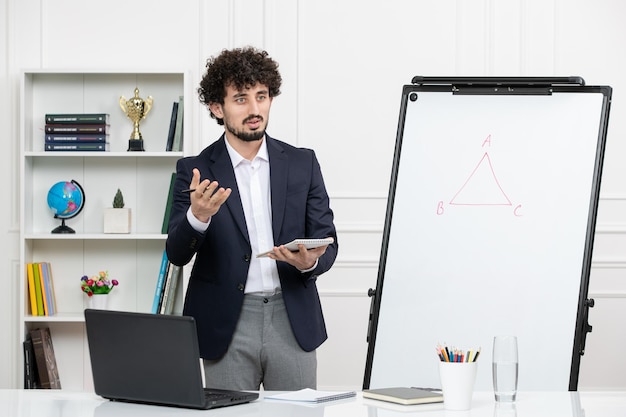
column 343, row 65
column 351, row 74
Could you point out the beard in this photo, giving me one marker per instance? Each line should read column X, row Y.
column 247, row 136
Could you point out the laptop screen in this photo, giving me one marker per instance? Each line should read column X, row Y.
column 145, row 358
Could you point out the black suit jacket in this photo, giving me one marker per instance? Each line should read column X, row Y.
column 300, row 209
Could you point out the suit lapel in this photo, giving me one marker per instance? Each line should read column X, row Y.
column 279, row 169
column 222, row 170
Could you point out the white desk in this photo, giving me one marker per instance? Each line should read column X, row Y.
column 49, row 403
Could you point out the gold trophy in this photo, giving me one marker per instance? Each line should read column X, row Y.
column 136, row 109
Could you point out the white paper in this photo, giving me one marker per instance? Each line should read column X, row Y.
column 312, row 396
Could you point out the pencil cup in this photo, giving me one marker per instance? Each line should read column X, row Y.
column 457, row 384
column 504, row 367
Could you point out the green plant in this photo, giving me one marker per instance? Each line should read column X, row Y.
column 118, row 200
column 98, row 284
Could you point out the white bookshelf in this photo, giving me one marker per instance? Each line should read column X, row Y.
column 133, row 259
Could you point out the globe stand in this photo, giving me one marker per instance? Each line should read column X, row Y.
column 63, row 228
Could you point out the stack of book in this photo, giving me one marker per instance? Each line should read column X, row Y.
column 77, row 132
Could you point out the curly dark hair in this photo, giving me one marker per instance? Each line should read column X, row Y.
column 241, row 68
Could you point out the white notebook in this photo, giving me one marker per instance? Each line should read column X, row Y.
column 308, row 243
column 308, row 395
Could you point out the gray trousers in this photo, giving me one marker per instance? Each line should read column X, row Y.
column 263, row 351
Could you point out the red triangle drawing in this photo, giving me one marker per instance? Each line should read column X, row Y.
column 481, row 188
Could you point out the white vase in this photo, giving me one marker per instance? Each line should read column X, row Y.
column 99, row 301
column 117, row 220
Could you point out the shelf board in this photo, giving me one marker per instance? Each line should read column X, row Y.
column 95, row 236
column 107, row 72
column 59, row 318
column 107, row 154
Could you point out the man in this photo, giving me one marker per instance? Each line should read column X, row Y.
column 259, row 320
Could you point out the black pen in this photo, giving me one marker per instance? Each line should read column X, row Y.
column 191, row 190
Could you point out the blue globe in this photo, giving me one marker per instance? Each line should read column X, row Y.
column 65, row 199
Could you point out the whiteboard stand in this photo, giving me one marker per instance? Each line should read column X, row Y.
column 489, row 228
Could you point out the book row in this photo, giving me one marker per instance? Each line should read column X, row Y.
column 169, row 276
column 175, row 132
column 40, row 366
column 167, row 287
column 41, row 289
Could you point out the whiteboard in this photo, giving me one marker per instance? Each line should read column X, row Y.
column 489, row 230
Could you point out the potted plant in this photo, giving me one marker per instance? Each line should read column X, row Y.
column 97, row 288
column 117, row 218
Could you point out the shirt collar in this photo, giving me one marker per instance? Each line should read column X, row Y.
column 236, row 158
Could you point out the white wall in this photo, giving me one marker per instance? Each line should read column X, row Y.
column 344, row 64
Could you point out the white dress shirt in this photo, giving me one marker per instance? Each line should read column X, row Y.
column 253, row 181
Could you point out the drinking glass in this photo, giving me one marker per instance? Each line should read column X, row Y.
column 505, row 368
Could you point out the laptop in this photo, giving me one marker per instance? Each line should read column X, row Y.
column 151, row 359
